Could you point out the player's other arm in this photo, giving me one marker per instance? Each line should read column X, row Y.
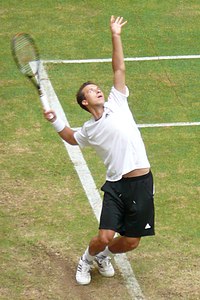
column 66, row 133
column 117, row 53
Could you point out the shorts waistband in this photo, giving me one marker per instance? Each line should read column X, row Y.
column 137, row 178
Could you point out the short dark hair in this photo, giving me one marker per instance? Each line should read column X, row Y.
column 80, row 95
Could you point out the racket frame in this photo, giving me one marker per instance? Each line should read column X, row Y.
column 34, row 77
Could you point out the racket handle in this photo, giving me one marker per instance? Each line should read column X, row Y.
column 44, row 102
column 46, row 105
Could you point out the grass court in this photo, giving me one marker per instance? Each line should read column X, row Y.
column 46, row 220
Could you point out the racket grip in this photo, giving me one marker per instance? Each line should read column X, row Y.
column 46, row 105
column 44, row 102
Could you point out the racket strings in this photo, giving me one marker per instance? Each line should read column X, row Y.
column 26, row 54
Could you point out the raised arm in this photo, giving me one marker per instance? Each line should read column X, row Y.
column 117, row 53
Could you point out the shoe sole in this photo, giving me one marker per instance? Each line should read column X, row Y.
column 106, row 275
column 83, row 283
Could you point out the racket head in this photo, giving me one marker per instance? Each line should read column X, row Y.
column 26, row 56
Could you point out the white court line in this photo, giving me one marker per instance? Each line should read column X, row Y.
column 169, row 124
column 177, row 124
column 90, row 189
column 103, row 60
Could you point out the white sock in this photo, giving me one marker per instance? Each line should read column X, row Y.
column 105, row 252
column 87, row 256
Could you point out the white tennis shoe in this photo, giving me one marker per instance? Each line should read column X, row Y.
column 104, row 265
column 83, row 272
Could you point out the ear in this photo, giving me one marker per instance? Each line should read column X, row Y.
column 85, row 102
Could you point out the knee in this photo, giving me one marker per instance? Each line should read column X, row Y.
column 105, row 240
column 132, row 243
column 106, row 237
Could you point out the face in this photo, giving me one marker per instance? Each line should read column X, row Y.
column 93, row 96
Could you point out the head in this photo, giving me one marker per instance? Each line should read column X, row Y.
column 89, row 94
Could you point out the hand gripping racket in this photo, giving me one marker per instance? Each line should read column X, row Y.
column 26, row 56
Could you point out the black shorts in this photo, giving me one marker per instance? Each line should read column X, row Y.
column 128, row 206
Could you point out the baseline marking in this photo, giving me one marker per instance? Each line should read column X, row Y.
column 103, row 60
column 177, row 124
column 169, row 124
column 90, row 189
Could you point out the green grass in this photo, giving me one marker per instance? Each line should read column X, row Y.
column 45, row 215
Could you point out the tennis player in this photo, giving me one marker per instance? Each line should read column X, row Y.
column 128, row 206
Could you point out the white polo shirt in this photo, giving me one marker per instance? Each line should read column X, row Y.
column 115, row 137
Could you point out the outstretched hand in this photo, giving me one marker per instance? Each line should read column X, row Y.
column 116, row 24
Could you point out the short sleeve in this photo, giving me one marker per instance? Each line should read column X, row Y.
column 81, row 137
column 118, row 98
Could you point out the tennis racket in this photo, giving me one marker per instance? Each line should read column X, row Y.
column 26, row 56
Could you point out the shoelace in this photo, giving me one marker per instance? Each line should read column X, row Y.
column 84, row 267
column 104, row 261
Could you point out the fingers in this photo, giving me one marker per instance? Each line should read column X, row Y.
column 118, row 20
column 122, row 24
column 49, row 115
column 112, row 19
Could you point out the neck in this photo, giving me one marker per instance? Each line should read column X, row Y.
column 97, row 113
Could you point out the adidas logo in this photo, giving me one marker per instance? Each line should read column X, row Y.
column 147, row 226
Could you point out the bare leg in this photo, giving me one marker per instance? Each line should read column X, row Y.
column 99, row 243
column 105, row 238
column 123, row 244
